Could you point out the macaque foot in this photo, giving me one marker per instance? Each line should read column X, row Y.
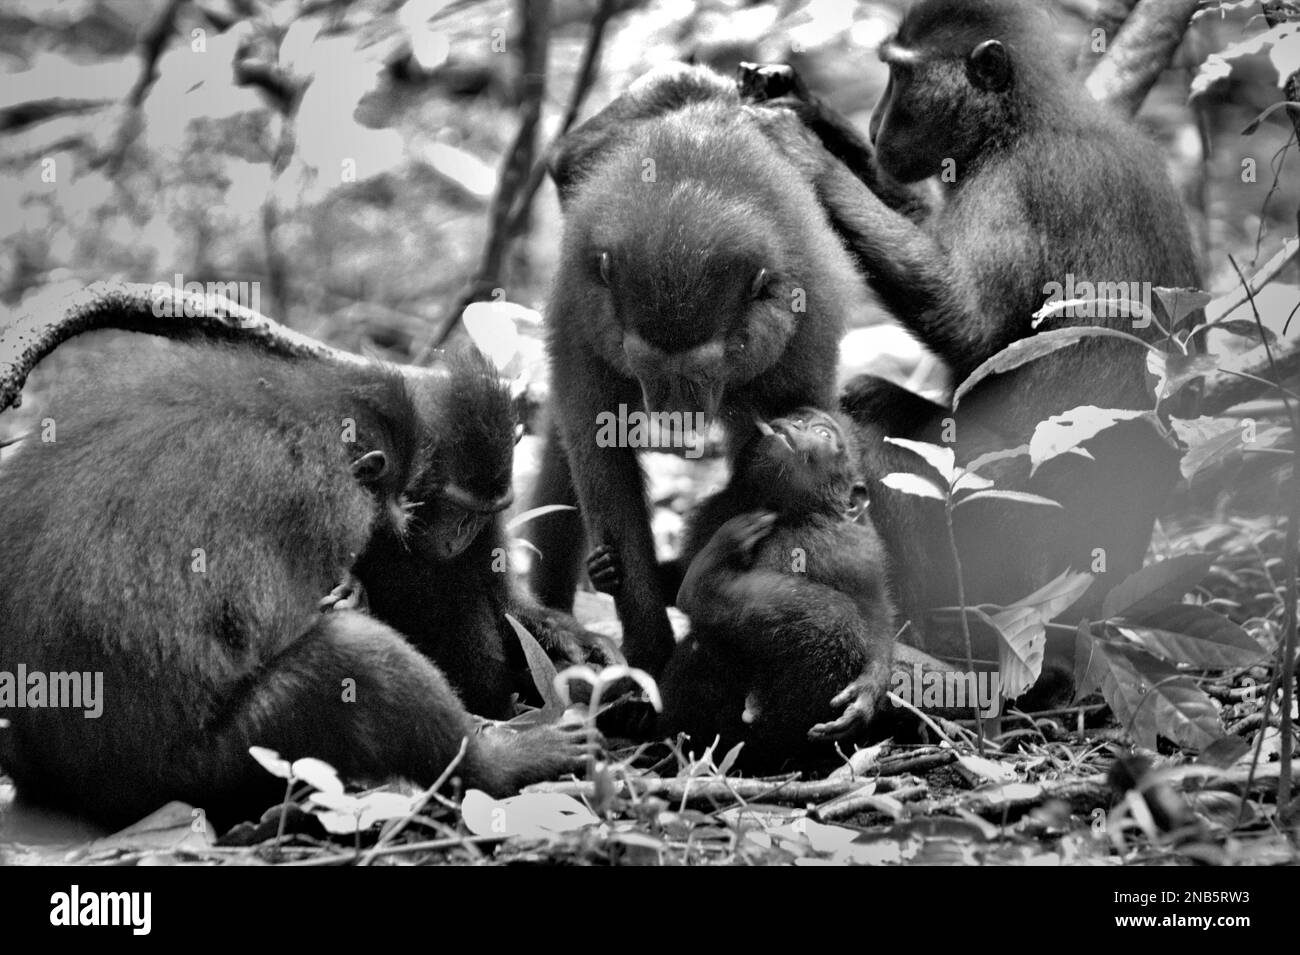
column 605, row 570
column 860, row 700
column 542, row 753
column 350, row 594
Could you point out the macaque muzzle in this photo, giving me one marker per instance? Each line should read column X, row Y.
column 697, row 402
column 462, row 515
column 793, row 439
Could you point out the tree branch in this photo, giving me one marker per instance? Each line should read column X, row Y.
column 1140, row 53
column 581, row 86
column 1105, row 15
column 535, row 18
column 152, row 45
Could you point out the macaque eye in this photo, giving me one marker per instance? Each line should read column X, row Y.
column 370, row 467
column 602, row 265
column 823, row 432
column 759, row 286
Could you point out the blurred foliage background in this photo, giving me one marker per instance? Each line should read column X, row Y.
column 343, row 156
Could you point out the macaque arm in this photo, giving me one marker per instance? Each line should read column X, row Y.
column 611, row 493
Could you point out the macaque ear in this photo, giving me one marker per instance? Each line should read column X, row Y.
column 370, row 467
column 989, row 67
column 858, row 502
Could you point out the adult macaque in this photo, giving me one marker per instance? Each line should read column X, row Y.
column 445, row 580
column 1042, row 188
column 785, row 588
column 175, row 536
column 698, row 278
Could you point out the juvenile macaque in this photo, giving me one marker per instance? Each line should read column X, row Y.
column 785, row 589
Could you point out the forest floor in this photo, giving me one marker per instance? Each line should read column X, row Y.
column 1058, row 788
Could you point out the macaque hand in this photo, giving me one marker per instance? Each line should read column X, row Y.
column 860, row 700
column 350, row 594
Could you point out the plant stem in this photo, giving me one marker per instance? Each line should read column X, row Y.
column 1289, row 644
column 961, row 601
column 1288, row 648
column 284, row 813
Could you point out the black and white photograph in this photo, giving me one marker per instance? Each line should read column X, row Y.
column 650, row 433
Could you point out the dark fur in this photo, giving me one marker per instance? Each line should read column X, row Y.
column 454, row 610
column 684, row 252
column 765, row 634
column 1048, row 183
column 240, row 454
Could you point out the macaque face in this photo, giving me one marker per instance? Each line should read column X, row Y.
column 685, row 281
column 802, row 461
column 464, row 470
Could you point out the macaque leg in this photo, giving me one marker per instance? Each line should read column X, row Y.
column 557, row 536
column 611, row 490
column 352, row 692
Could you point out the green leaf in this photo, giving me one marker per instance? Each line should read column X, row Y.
column 1214, row 441
column 912, row 484
column 540, row 668
column 1022, row 629
column 940, row 457
column 968, row 481
column 1246, row 328
column 1153, row 697
column 1093, row 306
column 1200, row 638
column 1090, row 666
column 1065, row 432
column 1223, row 753
column 1034, row 347
column 1022, row 636
column 1057, row 595
column 1280, row 43
column 1019, row 497
column 534, row 513
column 318, row 773
column 1176, row 371
column 1156, row 585
column 530, row 815
column 1179, row 303
column 984, row 460
column 1124, row 692
column 730, row 759
column 270, row 760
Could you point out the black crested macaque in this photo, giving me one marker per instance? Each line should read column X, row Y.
column 175, row 534
column 1043, row 188
column 698, row 278
column 785, row 588
column 445, row 580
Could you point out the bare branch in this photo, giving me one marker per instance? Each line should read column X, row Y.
column 1225, row 304
column 535, row 18
column 152, row 45
column 1140, row 53
column 581, row 86
column 1105, row 15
